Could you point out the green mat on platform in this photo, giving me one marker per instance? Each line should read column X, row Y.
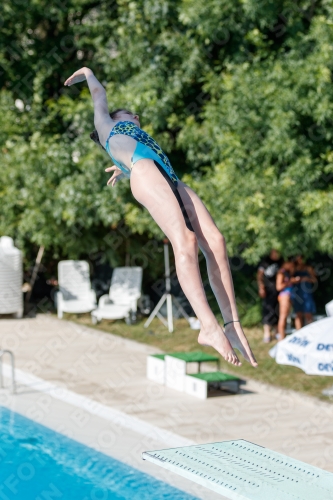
column 215, row 377
column 189, row 357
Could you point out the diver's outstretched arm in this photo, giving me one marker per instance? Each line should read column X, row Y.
column 98, row 94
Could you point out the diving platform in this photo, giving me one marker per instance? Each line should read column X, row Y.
column 242, row 470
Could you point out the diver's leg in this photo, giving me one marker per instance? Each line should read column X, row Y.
column 152, row 190
column 213, row 246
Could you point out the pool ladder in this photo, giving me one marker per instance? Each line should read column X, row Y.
column 2, row 352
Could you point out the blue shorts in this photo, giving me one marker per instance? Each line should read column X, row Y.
column 286, row 292
column 303, row 302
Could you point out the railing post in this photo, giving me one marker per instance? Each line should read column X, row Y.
column 2, row 352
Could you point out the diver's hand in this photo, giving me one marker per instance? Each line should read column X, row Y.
column 117, row 175
column 79, row 76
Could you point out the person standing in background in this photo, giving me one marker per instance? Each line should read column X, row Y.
column 285, row 281
column 266, row 279
column 302, row 296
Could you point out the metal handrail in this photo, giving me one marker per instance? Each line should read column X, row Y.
column 2, row 352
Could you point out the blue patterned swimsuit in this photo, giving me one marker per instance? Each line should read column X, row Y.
column 147, row 147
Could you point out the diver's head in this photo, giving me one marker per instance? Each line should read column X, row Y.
column 123, row 115
column 118, row 115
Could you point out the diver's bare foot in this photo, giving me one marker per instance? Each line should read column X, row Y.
column 214, row 337
column 235, row 335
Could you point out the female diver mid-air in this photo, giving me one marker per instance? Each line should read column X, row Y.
column 180, row 214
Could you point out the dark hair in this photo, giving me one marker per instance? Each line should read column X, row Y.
column 114, row 113
column 94, row 135
column 296, row 257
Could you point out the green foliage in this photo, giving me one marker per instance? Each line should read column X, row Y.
column 268, row 130
column 252, row 316
column 239, row 94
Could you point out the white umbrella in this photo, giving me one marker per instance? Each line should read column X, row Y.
column 310, row 348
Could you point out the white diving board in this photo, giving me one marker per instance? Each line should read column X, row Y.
column 245, row 471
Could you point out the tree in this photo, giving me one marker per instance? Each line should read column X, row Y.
column 238, row 94
column 268, row 129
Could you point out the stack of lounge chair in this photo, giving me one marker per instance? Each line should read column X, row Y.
column 77, row 296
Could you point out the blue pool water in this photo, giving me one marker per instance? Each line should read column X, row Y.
column 37, row 463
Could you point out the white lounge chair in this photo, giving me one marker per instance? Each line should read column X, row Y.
column 75, row 293
column 122, row 300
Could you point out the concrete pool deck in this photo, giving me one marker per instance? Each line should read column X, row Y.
column 109, row 370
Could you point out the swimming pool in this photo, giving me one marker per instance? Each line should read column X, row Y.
column 37, row 463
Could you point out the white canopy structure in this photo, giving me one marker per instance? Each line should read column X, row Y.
column 11, row 274
column 75, row 293
column 310, row 348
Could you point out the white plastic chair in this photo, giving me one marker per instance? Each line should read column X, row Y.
column 75, row 293
column 122, row 300
column 11, row 275
column 329, row 308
